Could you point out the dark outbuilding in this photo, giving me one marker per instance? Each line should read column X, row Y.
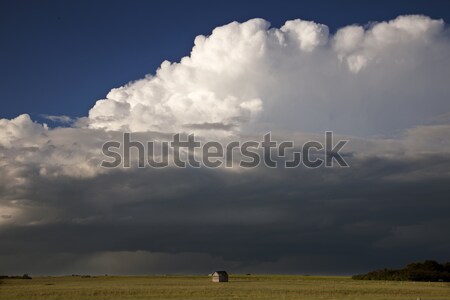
column 220, row 276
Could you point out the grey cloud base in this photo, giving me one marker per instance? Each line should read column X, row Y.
column 295, row 221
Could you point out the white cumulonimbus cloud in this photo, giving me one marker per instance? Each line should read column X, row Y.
column 362, row 81
column 389, row 78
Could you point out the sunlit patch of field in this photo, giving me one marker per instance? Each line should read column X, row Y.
column 201, row 287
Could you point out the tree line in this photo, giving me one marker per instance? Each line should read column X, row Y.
column 428, row 270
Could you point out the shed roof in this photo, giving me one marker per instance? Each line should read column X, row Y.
column 220, row 273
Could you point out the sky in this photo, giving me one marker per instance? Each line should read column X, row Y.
column 75, row 75
column 59, row 58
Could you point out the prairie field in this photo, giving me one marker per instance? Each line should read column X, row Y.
column 201, row 287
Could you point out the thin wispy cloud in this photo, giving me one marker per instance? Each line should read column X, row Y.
column 65, row 120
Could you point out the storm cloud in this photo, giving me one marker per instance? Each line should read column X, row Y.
column 383, row 87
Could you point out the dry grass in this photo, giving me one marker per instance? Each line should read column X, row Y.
column 200, row 287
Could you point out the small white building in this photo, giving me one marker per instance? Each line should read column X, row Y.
column 220, row 276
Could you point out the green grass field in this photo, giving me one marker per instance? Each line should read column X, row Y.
column 201, row 287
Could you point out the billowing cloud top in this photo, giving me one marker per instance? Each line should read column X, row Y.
column 384, row 86
column 250, row 76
